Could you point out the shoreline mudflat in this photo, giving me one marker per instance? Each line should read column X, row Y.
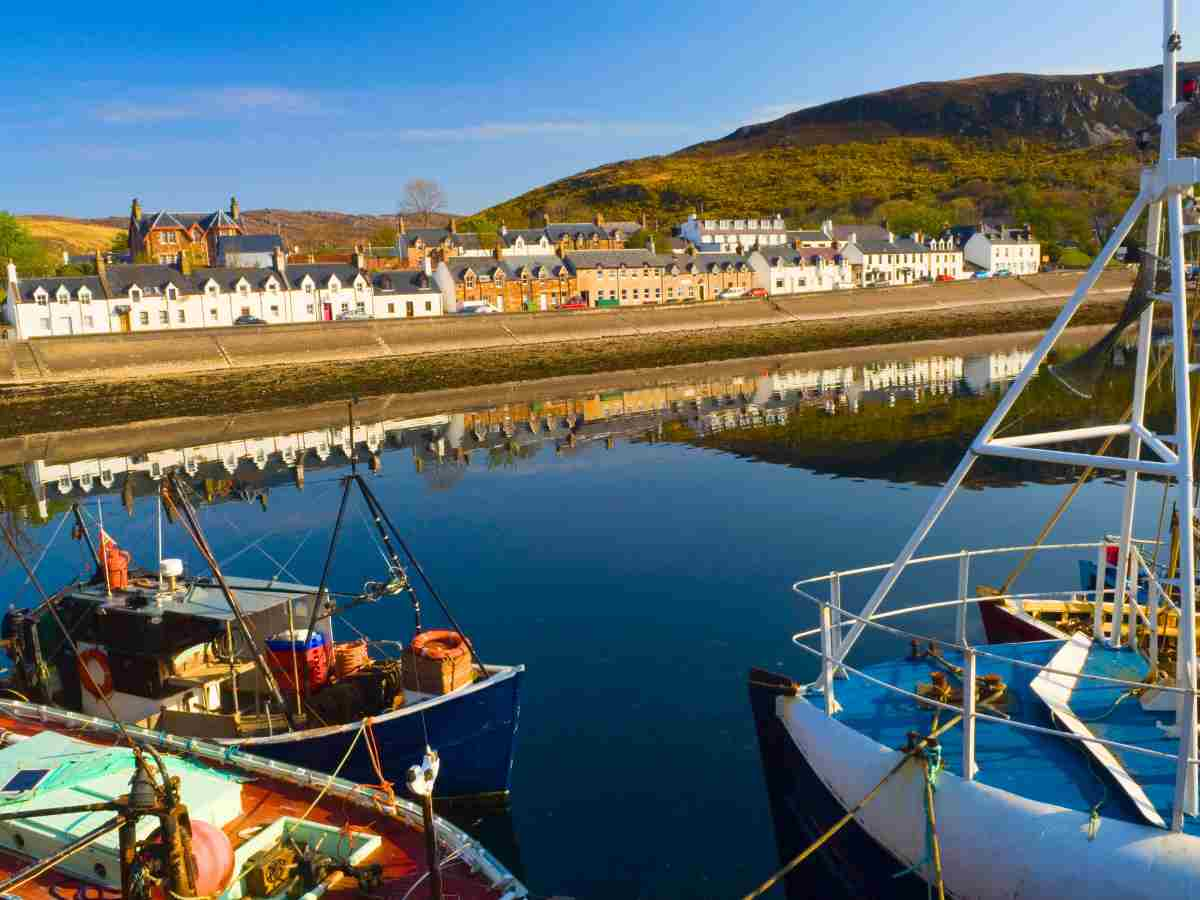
column 82, row 387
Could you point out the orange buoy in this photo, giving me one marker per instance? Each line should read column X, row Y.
column 439, row 644
column 97, row 687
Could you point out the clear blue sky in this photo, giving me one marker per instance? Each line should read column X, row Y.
column 320, row 106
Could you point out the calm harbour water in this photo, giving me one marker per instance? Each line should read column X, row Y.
column 637, row 583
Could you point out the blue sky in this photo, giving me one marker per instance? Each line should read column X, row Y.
column 314, row 106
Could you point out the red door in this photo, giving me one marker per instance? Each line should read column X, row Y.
column 327, row 311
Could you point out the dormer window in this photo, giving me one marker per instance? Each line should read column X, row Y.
column 334, row 284
column 308, row 285
column 272, row 286
column 40, row 295
column 469, row 279
column 243, row 287
column 84, row 295
column 62, row 295
column 211, row 289
column 135, row 294
column 172, row 292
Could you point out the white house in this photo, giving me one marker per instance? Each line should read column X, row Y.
column 945, row 256
column 788, row 271
column 728, row 235
column 129, row 298
column 1013, row 251
column 890, row 262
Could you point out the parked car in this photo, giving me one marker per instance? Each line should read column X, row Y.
column 981, row 275
column 757, row 292
column 945, row 277
column 248, row 320
column 354, row 315
column 574, row 303
column 479, row 309
column 733, row 293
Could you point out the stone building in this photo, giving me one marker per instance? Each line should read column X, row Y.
column 164, row 237
column 505, row 283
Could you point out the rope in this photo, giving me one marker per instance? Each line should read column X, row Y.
column 931, row 762
column 335, row 772
column 376, row 760
column 837, row 826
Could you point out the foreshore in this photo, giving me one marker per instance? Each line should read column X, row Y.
column 85, row 382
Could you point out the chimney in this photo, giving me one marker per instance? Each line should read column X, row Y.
column 827, row 228
column 427, row 265
column 12, row 282
column 453, row 226
column 280, row 259
column 101, row 264
column 66, row 258
column 234, row 209
column 135, row 210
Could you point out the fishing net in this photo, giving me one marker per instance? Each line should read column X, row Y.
column 1086, row 372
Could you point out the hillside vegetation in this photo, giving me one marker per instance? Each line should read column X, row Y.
column 71, row 235
column 1054, row 151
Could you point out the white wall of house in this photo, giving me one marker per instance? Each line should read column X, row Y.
column 801, row 278
column 889, row 267
column 729, row 234
column 1003, row 254
column 211, row 308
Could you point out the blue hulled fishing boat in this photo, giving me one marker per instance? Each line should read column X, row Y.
column 256, row 664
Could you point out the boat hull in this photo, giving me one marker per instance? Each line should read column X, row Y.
column 473, row 731
column 1003, row 624
column 995, row 845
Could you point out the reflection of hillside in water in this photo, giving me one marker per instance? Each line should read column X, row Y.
column 917, row 432
column 901, row 420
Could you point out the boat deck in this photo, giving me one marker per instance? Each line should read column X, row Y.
column 1037, row 766
column 402, row 852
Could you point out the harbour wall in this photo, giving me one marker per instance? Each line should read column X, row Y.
column 177, row 352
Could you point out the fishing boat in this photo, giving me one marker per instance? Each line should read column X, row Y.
column 255, row 664
column 1060, row 758
column 92, row 809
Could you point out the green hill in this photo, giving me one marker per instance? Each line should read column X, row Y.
column 1054, row 151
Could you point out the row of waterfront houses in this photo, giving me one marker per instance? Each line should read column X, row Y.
column 432, row 271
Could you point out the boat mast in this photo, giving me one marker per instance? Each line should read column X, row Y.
column 1163, row 184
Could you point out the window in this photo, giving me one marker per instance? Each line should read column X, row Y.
column 62, row 295
column 210, row 289
column 135, row 294
column 89, row 322
column 144, row 318
column 345, row 307
column 168, row 237
column 624, row 295
column 360, row 306
column 213, row 314
column 172, row 292
column 391, row 308
column 164, row 317
column 85, row 295
column 245, row 310
column 181, row 316
column 428, row 306
column 309, row 309
column 657, row 293
column 40, row 295
column 243, row 289
column 778, row 282
column 274, row 310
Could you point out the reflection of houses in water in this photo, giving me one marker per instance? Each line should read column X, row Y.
column 246, row 469
column 984, row 372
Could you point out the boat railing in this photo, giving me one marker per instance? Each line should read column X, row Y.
column 835, row 620
column 462, row 845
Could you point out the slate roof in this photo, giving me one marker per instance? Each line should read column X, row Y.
column 612, row 259
column 903, row 245
column 28, row 286
column 227, row 278
column 626, row 228
column 249, row 243
column 403, row 281
column 468, row 240
column 556, row 230
column 322, row 272
column 719, row 262
column 153, row 280
column 530, row 235
column 790, row 257
column 184, row 220
column 511, row 266
column 864, row 232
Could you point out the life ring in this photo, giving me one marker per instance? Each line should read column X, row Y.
column 439, row 644
column 105, row 685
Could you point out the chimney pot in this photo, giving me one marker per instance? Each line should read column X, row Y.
column 428, row 266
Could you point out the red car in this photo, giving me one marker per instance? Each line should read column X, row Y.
column 757, row 292
column 574, row 303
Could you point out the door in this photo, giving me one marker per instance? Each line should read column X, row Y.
column 123, row 325
column 327, row 312
column 409, row 309
column 700, row 291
